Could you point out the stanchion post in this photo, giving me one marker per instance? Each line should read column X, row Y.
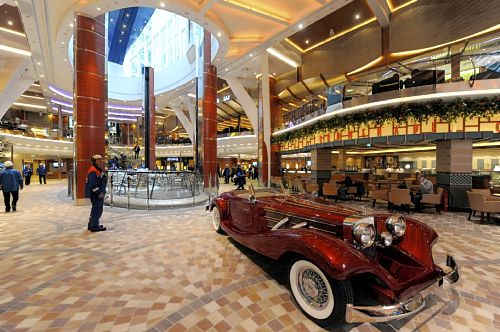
column 128, row 192
column 111, row 191
column 147, row 190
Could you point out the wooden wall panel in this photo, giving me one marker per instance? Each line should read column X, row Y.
column 344, row 54
column 428, row 23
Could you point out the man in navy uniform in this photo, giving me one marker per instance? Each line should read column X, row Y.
column 95, row 189
column 42, row 173
column 10, row 181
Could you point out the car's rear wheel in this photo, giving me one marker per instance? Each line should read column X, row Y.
column 321, row 298
column 216, row 220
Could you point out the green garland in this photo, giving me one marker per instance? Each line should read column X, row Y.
column 416, row 112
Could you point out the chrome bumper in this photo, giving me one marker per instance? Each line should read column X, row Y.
column 452, row 276
column 380, row 314
column 384, row 313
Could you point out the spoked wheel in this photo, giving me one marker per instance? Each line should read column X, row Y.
column 216, row 220
column 321, row 298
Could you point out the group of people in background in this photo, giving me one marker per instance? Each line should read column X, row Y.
column 237, row 174
column 11, row 182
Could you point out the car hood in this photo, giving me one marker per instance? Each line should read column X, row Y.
column 307, row 205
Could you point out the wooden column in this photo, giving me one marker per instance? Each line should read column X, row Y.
column 321, row 166
column 454, row 170
column 342, row 160
column 276, row 120
column 209, row 115
column 89, row 96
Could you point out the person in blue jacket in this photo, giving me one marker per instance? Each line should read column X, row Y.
column 42, row 173
column 10, row 181
column 95, row 189
column 28, row 172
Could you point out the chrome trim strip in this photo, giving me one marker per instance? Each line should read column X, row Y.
column 380, row 314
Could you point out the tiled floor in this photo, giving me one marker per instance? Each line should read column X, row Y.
column 167, row 270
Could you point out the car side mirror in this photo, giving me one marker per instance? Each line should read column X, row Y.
column 252, row 199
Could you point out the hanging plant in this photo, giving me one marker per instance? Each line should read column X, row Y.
column 417, row 112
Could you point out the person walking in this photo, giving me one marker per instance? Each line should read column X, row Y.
column 28, row 172
column 95, row 189
column 137, row 151
column 240, row 178
column 42, row 173
column 10, row 182
column 226, row 173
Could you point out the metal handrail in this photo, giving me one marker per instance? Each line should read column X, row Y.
column 162, row 185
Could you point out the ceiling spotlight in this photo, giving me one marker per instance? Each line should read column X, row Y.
column 38, row 63
column 98, row 8
column 251, row 54
column 41, row 75
column 71, row 25
column 162, row 4
column 301, row 26
column 10, row 23
column 307, row 41
column 219, row 34
column 357, row 16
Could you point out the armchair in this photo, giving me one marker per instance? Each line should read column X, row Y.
column 380, row 194
column 330, row 189
column 310, row 187
column 400, row 197
column 477, row 203
column 434, row 199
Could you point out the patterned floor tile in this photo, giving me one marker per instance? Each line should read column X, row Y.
column 167, row 270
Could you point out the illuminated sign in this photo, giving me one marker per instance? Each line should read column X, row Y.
column 224, row 98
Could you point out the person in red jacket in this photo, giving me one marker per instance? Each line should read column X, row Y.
column 95, row 189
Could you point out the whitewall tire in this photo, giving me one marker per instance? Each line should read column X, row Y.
column 216, row 220
column 322, row 299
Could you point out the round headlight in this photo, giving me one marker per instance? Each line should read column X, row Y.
column 386, row 238
column 364, row 234
column 396, row 225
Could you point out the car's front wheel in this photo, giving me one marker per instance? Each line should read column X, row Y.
column 321, row 298
column 216, row 220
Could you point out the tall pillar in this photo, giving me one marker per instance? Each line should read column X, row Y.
column 209, row 115
column 264, row 123
column 60, row 121
column 342, row 160
column 321, row 166
column 454, row 170
column 276, row 121
column 89, row 96
column 149, row 118
column 455, row 68
column 124, row 132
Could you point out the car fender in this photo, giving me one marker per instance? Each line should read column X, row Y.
column 338, row 259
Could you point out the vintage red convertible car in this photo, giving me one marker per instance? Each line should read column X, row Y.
column 343, row 266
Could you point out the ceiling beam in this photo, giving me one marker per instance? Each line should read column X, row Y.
column 230, row 116
column 206, row 6
column 293, row 94
column 232, row 108
column 381, row 10
column 247, row 40
column 307, row 88
column 255, row 11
